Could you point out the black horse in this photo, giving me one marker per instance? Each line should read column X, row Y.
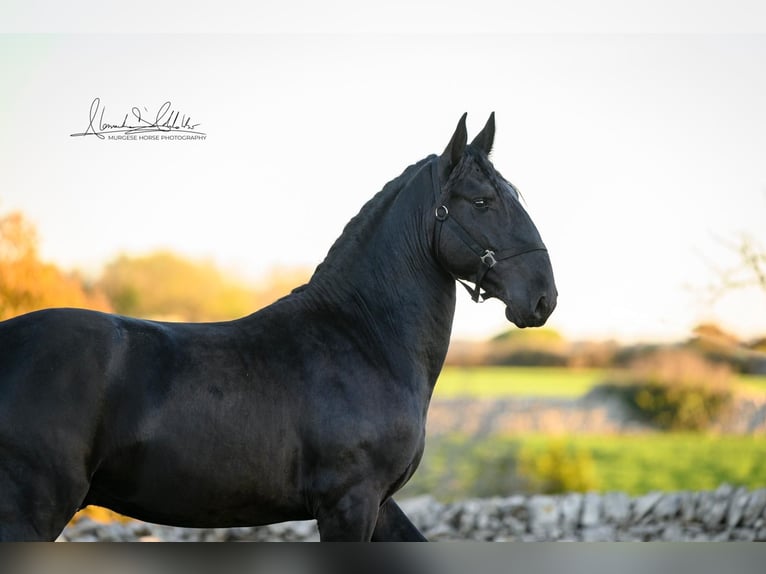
column 311, row 408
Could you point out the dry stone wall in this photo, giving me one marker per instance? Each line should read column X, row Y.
column 595, row 413
column 727, row 513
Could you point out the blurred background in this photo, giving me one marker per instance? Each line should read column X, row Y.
column 640, row 156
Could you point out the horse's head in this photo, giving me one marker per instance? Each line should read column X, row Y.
column 484, row 235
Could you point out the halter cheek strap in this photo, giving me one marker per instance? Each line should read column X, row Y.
column 486, row 256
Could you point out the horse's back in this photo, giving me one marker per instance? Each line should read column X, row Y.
column 48, row 358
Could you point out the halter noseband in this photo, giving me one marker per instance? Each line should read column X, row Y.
column 488, row 258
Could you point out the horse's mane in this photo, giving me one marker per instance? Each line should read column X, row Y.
column 371, row 211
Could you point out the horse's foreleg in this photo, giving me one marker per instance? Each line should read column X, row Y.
column 394, row 526
column 36, row 501
column 33, row 512
column 351, row 518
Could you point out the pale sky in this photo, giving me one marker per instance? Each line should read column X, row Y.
column 636, row 152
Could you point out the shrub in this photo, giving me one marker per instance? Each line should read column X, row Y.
column 528, row 348
column 675, row 389
column 560, row 468
column 527, row 358
column 505, row 467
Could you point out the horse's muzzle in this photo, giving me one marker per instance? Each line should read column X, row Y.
column 536, row 316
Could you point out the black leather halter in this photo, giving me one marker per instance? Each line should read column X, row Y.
column 488, row 258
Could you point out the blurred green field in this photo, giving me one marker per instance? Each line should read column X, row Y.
column 500, row 382
column 456, row 467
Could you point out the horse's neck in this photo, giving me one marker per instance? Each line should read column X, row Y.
column 389, row 282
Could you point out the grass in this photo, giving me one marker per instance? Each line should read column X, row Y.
column 753, row 382
column 499, row 382
column 671, row 461
column 453, row 466
column 502, row 382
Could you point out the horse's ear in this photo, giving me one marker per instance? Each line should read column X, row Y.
column 456, row 146
column 486, row 137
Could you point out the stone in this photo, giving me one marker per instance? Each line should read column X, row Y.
column 616, row 507
column 644, row 504
column 139, row 529
column 441, row 532
column 713, row 507
column 602, row 533
column 714, row 518
column 187, row 534
column 668, row 506
column 570, row 509
column 86, row 538
column 701, row 537
column 755, row 507
column 513, row 525
column 306, row 529
column 591, row 510
column 467, row 520
column 646, row 532
column 483, row 535
column 739, row 502
column 114, row 532
column 693, row 532
column 515, row 506
column 451, row 515
column 743, row 534
column 544, row 517
column 424, row 511
column 241, row 533
column 168, row 533
column 487, row 515
column 83, row 527
column 688, row 502
column 721, row 537
column 292, row 531
column 673, row 532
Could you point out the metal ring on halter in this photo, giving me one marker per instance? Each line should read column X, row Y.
column 489, row 258
column 442, row 215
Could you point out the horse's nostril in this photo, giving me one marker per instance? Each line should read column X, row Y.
column 541, row 309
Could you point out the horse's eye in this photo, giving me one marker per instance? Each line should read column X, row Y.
column 480, row 203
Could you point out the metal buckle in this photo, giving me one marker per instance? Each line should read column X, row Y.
column 442, row 215
column 489, row 258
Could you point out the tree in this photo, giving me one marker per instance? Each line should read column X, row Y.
column 750, row 269
column 28, row 284
column 164, row 285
